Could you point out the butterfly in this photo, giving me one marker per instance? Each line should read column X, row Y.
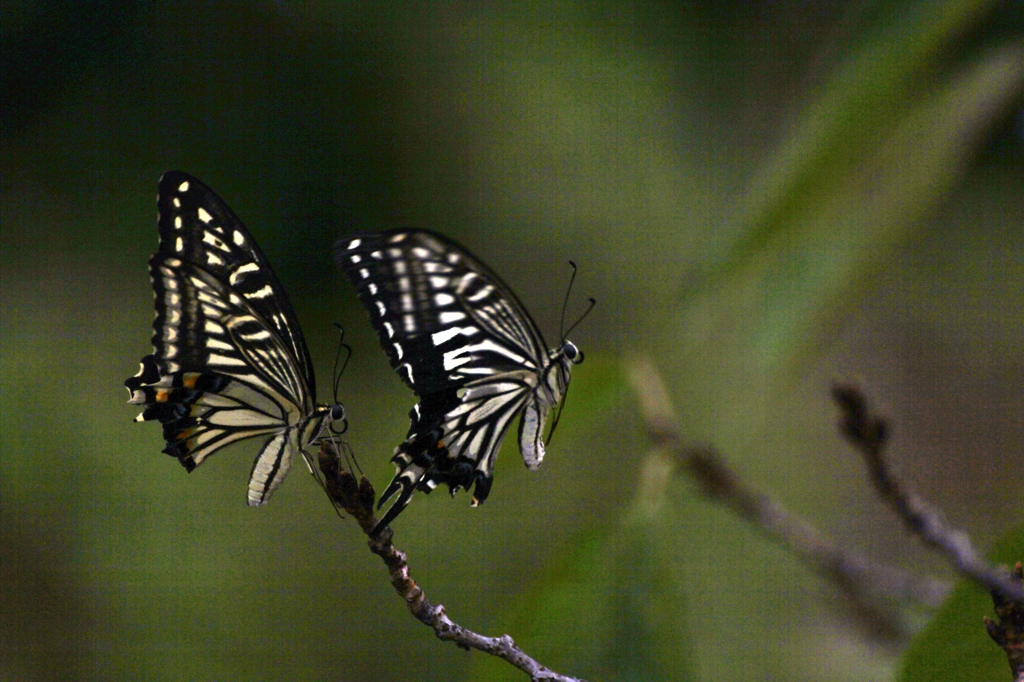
column 460, row 338
column 229, row 361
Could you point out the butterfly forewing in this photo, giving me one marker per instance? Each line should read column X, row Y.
column 441, row 315
column 197, row 226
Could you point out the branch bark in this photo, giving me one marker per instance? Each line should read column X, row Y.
column 869, row 433
column 356, row 498
column 862, row 580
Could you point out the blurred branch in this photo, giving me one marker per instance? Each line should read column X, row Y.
column 868, row 433
column 1008, row 632
column 357, row 498
column 861, row 579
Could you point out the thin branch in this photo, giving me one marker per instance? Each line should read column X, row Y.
column 1008, row 631
column 356, row 498
column 868, row 433
column 863, row 581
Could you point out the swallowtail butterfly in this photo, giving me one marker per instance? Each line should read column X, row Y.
column 229, row 361
column 460, row 338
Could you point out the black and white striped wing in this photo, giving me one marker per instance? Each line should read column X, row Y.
column 229, row 360
column 196, row 226
column 441, row 315
column 460, row 338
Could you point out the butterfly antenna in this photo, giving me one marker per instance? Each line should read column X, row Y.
column 565, row 303
column 340, row 445
column 337, row 357
column 586, row 312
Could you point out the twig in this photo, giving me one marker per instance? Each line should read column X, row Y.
column 357, row 500
column 857, row 576
column 1008, row 632
column 868, row 433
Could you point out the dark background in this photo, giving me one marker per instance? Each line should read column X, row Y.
column 761, row 196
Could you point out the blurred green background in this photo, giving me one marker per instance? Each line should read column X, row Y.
column 762, row 196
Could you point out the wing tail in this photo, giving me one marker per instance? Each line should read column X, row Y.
column 408, row 477
column 421, row 468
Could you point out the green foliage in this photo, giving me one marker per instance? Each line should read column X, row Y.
column 611, row 605
column 955, row 645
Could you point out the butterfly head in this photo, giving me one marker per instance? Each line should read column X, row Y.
column 559, row 371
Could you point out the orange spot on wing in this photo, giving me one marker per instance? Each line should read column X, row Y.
column 189, row 379
column 163, row 395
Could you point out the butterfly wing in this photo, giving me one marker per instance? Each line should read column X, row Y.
column 196, row 226
column 460, row 338
column 442, row 316
column 228, row 354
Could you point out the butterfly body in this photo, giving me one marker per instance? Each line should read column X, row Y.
column 229, row 361
column 460, row 338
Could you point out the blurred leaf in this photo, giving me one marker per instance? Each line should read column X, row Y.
column 611, row 606
column 955, row 645
column 872, row 155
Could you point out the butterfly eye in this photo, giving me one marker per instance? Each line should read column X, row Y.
column 337, row 412
column 570, row 351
